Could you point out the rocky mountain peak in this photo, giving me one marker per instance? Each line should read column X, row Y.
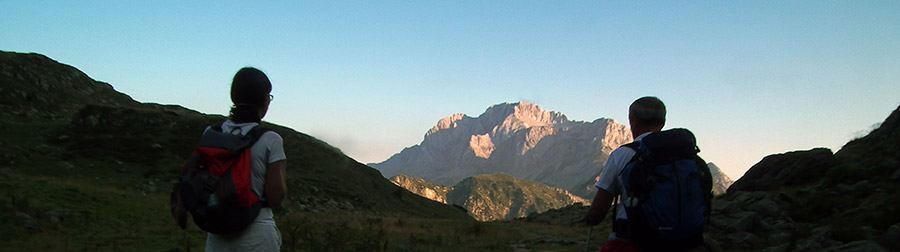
column 521, row 139
column 510, row 117
column 446, row 123
column 721, row 181
column 502, row 119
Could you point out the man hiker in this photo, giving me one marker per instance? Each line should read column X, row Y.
column 647, row 116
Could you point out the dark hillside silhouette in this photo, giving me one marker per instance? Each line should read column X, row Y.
column 115, row 159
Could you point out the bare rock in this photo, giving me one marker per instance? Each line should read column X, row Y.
column 25, row 220
column 766, row 207
column 741, row 240
column 779, row 238
column 779, row 248
column 821, row 238
column 58, row 215
column 792, row 168
column 66, row 165
column 723, row 207
column 746, row 198
column 738, row 222
column 891, row 237
column 858, row 246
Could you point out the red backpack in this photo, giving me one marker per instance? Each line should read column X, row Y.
column 215, row 183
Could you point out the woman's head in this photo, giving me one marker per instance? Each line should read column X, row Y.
column 250, row 90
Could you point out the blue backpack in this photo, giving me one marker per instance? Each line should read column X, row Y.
column 668, row 192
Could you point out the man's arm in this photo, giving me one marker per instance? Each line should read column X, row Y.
column 276, row 187
column 599, row 207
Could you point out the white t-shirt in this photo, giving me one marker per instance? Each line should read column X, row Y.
column 609, row 178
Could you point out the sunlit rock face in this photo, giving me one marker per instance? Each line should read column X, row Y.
column 422, row 188
column 721, row 181
column 520, row 139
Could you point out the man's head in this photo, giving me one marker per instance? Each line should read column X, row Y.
column 646, row 114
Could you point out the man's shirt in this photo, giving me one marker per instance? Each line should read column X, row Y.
column 609, row 178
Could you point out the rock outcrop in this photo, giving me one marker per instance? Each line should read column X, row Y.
column 792, row 168
column 422, row 188
column 37, row 87
column 817, row 201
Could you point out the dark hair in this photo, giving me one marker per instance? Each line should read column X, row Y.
column 249, row 92
column 649, row 111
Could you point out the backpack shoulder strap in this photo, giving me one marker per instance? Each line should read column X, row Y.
column 633, row 145
column 256, row 133
column 217, row 127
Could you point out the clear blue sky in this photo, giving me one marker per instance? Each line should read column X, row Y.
column 750, row 78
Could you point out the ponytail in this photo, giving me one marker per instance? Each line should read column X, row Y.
column 242, row 113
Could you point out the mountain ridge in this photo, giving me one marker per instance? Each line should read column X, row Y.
column 520, row 139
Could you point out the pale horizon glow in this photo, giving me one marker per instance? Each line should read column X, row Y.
column 749, row 78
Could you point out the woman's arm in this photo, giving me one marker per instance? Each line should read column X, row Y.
column 276, row 187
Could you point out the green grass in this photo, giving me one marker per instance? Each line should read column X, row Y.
column 94, row 217
column 111, row 218
column 353, row 232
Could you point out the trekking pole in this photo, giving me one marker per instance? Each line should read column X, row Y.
column 587, row 243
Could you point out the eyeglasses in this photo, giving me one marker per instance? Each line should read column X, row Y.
column 271, row 97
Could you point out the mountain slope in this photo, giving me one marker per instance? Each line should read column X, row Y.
column 520, row 139
column 492, row 197
column 504, row 197
column 82, row 161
